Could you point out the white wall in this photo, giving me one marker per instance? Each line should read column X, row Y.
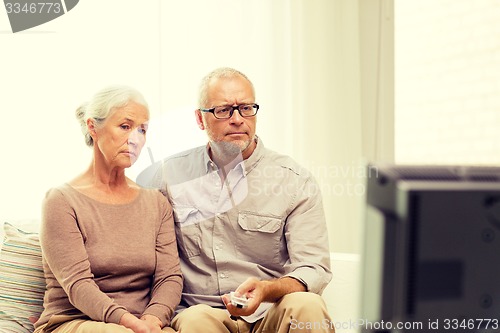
column 448, row 81
column 311, row 62
column 46, row 73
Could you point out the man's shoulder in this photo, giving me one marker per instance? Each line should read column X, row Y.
column 157, row 174
column 284, row 161
column 184, row 156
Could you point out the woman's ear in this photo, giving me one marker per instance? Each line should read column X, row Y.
column 199, row 119
column 91, row 128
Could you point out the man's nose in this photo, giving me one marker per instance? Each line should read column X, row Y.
column 236, row 117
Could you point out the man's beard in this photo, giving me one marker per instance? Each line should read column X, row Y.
column 228, row 151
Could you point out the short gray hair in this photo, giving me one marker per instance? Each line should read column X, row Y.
column 101, row 104
column 222, row 72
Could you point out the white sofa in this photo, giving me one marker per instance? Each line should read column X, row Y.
column 22, row 283
column 342, row 294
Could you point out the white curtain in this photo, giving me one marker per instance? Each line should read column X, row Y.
column 322, row 71
column 323, row 76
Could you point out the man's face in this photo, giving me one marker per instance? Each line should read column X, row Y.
column 236, row 132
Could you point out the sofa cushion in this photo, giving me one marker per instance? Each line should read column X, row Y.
column 22, row 283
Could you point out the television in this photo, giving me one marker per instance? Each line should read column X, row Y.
column 431, row 255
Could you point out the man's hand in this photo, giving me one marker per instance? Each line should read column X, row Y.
column 254, row 290
column 258, row 291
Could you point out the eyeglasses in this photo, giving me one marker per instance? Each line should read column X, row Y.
column 226, row 111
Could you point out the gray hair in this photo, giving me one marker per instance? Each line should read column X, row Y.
column 222, row 72
column 101, row 104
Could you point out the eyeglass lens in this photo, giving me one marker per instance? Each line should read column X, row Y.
column 226, row 111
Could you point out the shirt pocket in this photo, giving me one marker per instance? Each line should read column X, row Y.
column 253, row 222
column 260, row 240
column 187, row 229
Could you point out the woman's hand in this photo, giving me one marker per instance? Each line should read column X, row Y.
column 139, row 326
column 152, row 321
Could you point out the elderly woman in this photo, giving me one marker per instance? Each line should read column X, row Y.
column 109, row 248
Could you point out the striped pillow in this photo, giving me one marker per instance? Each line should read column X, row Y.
column 22, row 283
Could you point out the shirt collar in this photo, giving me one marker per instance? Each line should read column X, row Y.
column 209, row 164
column 252, row 161
column 247, row 164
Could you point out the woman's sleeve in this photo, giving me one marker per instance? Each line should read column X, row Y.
column 65, row 254
column 167, row 284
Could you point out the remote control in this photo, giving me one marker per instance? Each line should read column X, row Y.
column 239, row 302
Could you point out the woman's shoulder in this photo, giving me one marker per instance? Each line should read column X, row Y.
column 58, row 191
column 57, row 196
column 155, row 197
column 152, row 193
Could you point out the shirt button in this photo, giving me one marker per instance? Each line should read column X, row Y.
column 222, row 275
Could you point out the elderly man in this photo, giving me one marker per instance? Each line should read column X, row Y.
column 248, row 220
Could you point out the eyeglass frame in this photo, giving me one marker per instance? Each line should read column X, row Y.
column 233, row 108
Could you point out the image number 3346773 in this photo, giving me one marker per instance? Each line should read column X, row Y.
column 24, row 14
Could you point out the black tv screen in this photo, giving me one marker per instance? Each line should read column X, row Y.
column 431, row 258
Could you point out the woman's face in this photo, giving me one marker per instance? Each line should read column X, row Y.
column 122, row 135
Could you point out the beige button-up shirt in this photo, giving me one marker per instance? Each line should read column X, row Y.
column 265, row 220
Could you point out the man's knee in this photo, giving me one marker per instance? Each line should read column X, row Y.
column 201, row 317
column 302, row 300
column 194, row 311
column 192, row 315
column 304, row 305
